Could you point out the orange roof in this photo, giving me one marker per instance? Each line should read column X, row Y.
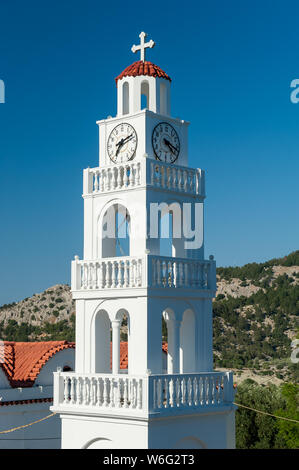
column 143, row 68
column 22, row 362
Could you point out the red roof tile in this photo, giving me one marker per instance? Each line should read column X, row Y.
column 22, row 362
column 143, row 68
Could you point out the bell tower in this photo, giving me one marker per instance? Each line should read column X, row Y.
column 144, row 262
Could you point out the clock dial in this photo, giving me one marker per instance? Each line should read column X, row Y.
column 166, row 143
column 122, row 143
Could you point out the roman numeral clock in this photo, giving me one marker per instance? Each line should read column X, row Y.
column 156, row 388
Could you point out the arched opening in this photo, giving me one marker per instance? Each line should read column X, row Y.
column 163, row 98
column 170, row 231
column 102, row 342
column 126, row 105
column 187, row 343
column 121, row 363
column 144, row 103
column 116, row 232
column 172, row 334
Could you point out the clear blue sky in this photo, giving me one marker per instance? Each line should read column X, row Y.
column 231, row 63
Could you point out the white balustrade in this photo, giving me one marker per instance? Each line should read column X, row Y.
column 102, row 391
column 177, row 178
column 111, row 273
column 163, row 393
column 180, row 272
column 145, row 271
column 190, row 390
column 147, row 172
column 112, row 178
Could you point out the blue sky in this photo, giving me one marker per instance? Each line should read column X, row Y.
column 231, row 64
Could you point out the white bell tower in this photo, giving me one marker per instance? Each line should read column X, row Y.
column 144, row 263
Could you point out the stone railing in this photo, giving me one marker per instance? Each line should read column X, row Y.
column 144, row 173
column 180, row 272
column 147, row 394
column 108, row 273
column 145, row 271
column 189, row 390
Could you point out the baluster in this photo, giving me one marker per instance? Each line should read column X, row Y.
column 111, row 394
column 173, row 179
column 119, row 274
column 154, row 394
column 126, row 393
column 183, row 386
column 162, row 265
column 78, row 391
column 84, row 276
column 175, row 274
column 190, row 394
column 139, row 266
column 185, row 179
column 119, row 177
column 195, row 391
column 158, row 272
column 210, row 379
column 139, row 394
column 191, row 180
column 101, row 181
column 132, row 175
column 105, row 391
column 178, row 392
column 201, row 391
column 66, row 390
column 118, row 392
column 131, row 266
column 126, row 273
column 180, row 180
column 98, row 395
column 152, row 167
column 160, row 391
column 72, row 390
column 172, row 394
column 126, row 176
column 113, row 274
column 166, row 384
column 139, row 173
column 95, row 181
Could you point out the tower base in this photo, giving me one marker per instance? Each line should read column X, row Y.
column 212, row 430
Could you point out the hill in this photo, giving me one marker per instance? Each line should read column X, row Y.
column 255, row 318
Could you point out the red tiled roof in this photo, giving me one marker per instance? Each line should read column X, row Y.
column 22, row 362
column 143, row 68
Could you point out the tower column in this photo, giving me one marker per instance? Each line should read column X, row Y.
column 115, row 346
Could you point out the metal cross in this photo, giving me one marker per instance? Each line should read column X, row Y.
column 143, row 45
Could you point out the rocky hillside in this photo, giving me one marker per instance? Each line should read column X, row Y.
column 48, row 315
column 255, row 317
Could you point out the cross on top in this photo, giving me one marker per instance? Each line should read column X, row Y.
column 142, row 46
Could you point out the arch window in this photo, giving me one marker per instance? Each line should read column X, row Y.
column 144, row 95
column 126, row 103
column 116, row 232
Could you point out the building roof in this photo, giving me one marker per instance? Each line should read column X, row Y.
column 23, row 361
column 143, row 68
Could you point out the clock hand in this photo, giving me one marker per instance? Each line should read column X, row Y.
column 122, row 142
column 172, row 147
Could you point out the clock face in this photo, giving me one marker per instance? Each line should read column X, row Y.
column 166, row 143
column 122, row 143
